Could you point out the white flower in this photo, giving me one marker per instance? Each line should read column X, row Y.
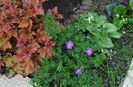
column 89, row 19
column 123, row 32
column 117, row 15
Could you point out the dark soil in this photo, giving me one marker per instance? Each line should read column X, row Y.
column 64, row 6
column 71, row 9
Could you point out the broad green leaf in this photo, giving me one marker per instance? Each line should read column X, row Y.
column 120, row 10
column 99, row 60
column 104, row 51
column 131, row 4
column 101, row 20
column 116, row 34
column 105, row 42
column 92, row 29
column 110, row 27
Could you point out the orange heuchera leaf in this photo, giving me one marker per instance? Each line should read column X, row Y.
column 46, row 51
column 5, row 26
column 1, row 34
column 10, row 9
column 52, row 43
column 21, row 42
column 40, row 11
column 49, row 48
column 28, row 3
column 4, row 43
column 19, row 56
column 46, row 40
column 15, row 20
column 55, row 13
column 1, row 18
column 42, row 51
column 9, row 60
column 13, row 33
column 23, row 54
column 27, row 54
column 7, row 2
column 19, row 68
column 23, row 38
column 14, row 10
column 29, row 67
column 33, row 6
column 25, row 22
column 41, row 35
column 33, row 46
column 5, row 13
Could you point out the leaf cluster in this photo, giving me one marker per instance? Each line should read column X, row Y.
column 123, row 14
column 22, row 37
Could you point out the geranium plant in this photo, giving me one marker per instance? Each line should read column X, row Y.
column 79, row 47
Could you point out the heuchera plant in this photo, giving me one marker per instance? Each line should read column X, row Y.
column 22, row 37
column 55, row 13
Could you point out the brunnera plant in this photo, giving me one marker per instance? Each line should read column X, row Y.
column 23, row 40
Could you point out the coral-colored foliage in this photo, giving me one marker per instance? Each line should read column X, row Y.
column 55, row 13
column 22, row 39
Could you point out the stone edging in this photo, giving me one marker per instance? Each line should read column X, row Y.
column 16, row 81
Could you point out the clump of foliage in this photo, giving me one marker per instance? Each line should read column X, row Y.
column 123, row 14
column 22, row 37
column 80, row 48
column 55, row 13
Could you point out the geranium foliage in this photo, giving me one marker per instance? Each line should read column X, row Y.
column 81, row 49
column 22, row 37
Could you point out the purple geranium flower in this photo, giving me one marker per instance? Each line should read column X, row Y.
column 78, row 71
column 69, row 44
column 89, row 51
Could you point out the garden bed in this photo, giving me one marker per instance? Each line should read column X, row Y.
column 107, row 64
column 120, row 58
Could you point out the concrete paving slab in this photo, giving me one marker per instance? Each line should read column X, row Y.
column 16, row 81
column 128, row 82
